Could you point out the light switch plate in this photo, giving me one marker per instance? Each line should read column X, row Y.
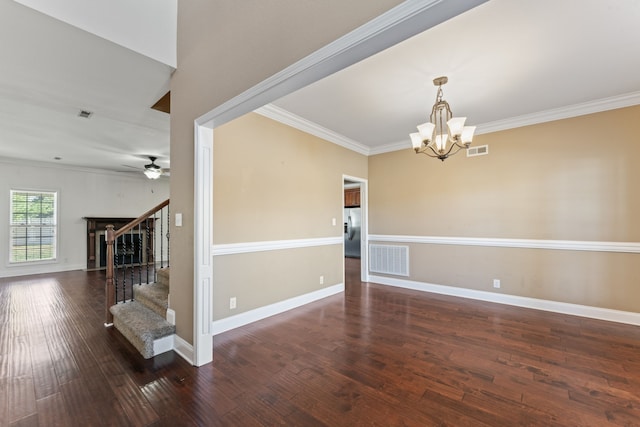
column 178, row 220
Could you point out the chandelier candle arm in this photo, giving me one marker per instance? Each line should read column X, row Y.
column 434, row 135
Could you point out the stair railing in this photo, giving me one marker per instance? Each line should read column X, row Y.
column 134, row 254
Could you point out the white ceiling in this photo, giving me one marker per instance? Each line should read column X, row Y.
column 52, row 70
column 505, row 59
column 531, row 60
column 144, row 26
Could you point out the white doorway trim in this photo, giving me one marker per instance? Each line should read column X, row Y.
column 203, row 241
column 403, row 21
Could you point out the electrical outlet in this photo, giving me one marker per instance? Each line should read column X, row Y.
column 322, row 280
column 232, row 303
column 496, row 283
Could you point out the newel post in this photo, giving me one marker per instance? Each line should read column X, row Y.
column 109, row 288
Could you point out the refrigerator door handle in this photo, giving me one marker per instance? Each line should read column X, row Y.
column 350, row 229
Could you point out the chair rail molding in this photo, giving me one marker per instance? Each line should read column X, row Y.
column 568, row 245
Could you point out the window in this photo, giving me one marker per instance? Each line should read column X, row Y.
column 33, row 226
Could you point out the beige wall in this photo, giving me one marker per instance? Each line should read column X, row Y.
column 262, row 278
column 273, row 182
column 571, row 179
column 224, row 48
column 573, row 190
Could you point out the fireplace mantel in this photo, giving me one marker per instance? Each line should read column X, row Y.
column 95, row 228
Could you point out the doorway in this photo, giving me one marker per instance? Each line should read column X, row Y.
column 352, row 219
column 355, row 227
column 393, row 26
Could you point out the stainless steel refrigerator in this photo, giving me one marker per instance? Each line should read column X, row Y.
column 352, row 224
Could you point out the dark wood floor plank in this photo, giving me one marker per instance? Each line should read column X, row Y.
column 21, row 399
column 5, row 337
column 109, row 410
column 374, row 356
column 44, row 375
column 52, row 411
column 4, row 400
column 44, row 378
column 30, row 421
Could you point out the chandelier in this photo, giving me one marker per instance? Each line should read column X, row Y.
column 433, row 138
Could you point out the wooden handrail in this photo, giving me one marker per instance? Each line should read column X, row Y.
column 138, row 220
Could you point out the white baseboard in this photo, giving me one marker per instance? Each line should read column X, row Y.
column 39, row 268
column 183, row 348
column 162, row 345
column 226, row 324
column 610, row 315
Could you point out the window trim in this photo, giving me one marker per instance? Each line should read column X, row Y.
column 54, row 259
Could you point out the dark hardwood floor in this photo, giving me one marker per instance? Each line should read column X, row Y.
column 373, row 356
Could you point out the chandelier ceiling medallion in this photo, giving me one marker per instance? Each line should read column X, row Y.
column 433, row 138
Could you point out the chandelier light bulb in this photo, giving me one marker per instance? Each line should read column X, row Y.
column 441, row 142
column 455, row 126
column 426, row 132
column 416, row 140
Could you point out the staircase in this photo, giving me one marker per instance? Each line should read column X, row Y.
column 142, row 320
column 137, row 282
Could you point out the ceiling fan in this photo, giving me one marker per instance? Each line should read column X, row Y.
column 153, row 171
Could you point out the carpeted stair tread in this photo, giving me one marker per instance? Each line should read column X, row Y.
column 153, row 297
column 140, row 325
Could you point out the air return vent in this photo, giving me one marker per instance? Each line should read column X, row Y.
column 480, row 150
column 389, row 259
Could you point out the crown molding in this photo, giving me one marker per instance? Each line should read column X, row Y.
column 283, row 116
column 590, row 107
column 388, row 148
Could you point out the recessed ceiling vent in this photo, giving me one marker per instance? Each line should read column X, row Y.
column 85, row 114
column 480, row 150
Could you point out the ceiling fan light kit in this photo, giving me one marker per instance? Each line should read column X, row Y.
column 152, row 171
column 433, row 138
